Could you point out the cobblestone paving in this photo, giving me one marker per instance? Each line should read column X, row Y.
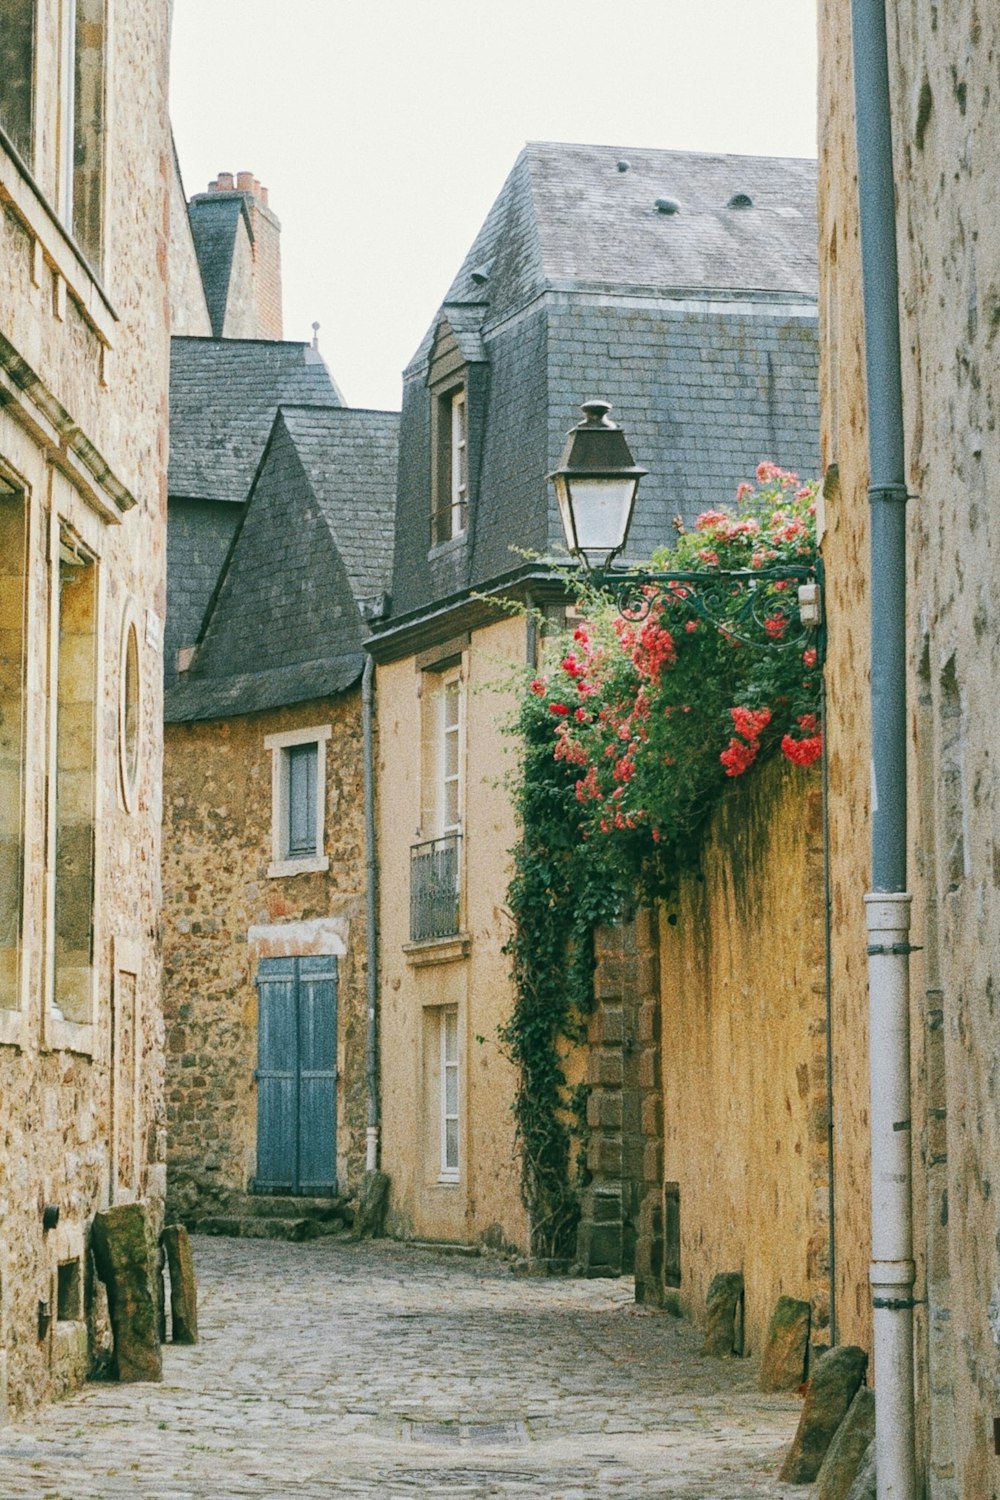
column 330, row 1369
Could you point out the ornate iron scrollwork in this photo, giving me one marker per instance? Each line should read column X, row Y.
column 758, row 607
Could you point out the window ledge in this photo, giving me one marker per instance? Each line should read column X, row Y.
column 11, row 1028
column 448, row 1182
column 68, row 1036
column 310, row 865
column 450, row 547
column 446, row 950
column 19, row 190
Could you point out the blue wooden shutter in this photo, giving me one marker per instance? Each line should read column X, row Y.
column 302, row 763
column 317, row 1074
column 277, row 1074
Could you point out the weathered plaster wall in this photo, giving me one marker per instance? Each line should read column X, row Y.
column 217, row 849
column 471, row 973
column 82, row 1104
column 743, row 1053
column 188, row 309
column 942, row 74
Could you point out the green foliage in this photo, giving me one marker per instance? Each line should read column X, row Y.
column 630, row 735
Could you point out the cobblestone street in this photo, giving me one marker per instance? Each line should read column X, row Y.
column 380, row 1370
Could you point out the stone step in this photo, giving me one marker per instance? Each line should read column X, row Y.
column 270, row 1228
column 264, row 1206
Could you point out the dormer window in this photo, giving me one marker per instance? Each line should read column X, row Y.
column 450, row 515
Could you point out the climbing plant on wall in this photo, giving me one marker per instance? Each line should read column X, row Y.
column 630, row 735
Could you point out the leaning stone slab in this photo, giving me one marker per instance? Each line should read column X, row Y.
column 369, row 1222
column 125, row 1253
column 864, row 1487
column 724, row 1315
column 183, row 1287
column 834, row 1384
column 783, row 1366
column 846, row 1453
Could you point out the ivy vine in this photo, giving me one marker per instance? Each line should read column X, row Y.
column 629, row 737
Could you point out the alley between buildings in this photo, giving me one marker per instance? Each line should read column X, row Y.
column 330, row 1368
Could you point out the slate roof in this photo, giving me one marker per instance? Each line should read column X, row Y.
column 215, row 221
column 313, row 549
column 223, row 397
column 569, row 215
column 699, row 325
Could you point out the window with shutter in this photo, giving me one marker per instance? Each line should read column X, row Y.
column 298, row 800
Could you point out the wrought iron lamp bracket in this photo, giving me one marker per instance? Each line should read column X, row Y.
column 759, row 607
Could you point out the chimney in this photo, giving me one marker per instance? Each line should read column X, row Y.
column 266, row 231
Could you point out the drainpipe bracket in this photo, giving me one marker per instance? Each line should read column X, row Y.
column 893, row 950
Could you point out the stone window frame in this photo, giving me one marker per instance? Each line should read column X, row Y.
column 130, row 705
column 71, row 519
column 449, row 462
column 13, row 487
column 61, row 263
column 450, row 1064
column 283, row 865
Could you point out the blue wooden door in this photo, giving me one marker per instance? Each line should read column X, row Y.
column 297, row 1076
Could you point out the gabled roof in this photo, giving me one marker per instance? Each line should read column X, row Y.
column 223, row 397
column 215, row 222
column 573, row 216
column 311, row 559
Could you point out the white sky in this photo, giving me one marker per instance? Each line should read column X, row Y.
column 384, row 129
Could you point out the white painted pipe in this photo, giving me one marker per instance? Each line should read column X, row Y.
column 371, row 1148
column 892, row 1270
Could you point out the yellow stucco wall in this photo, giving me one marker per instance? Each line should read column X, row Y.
column 744, row 1054
column 470, row 973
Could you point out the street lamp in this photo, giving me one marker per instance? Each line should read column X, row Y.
column 596, row 486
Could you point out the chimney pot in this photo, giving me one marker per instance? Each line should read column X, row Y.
column 262, row 194
column 245, row 181
column 224, row 183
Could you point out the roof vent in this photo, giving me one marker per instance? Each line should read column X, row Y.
column 623, row 166
column 740, row 200
column 667, row 206
column 481, row 273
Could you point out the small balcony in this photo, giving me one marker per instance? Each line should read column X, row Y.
column 434, row 888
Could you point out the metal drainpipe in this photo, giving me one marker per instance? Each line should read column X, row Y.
column 371, row 870
column 887, row 905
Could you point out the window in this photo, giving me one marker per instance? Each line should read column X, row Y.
column 81, row 123
column 451, row 469
column 449, row 1093
column 13, row 583
column 75, row 779
column 17, row 65
column 298, row 799
column 128, row 710
column 435, row 867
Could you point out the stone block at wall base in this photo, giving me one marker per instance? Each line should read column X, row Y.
column 834, row 1384
column 724, row 1315
column 783, row 1365
column 127, row 1259
column 599, row 1239
column 846, row 1455
column 183, row 1287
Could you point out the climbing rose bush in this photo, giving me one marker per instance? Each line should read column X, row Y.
column 645, row 719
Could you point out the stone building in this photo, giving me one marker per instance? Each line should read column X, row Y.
column 84, row 183
column 944, row 121
column 279, row 544
column 681, row 288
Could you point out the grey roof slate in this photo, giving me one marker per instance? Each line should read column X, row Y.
column 699, row 326
column 223, row 397
column 214, row 224
column 313, row 547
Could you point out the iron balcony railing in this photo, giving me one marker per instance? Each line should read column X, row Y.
column 434, row 888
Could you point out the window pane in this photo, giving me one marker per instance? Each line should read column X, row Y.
column 16, row 63
column 451, row 1146
column 451, row 1090
column 302, row 762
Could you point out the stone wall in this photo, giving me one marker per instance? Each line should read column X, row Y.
column 743, row 1058
column 942, row 77
column 83, row 435
column 223, row 913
